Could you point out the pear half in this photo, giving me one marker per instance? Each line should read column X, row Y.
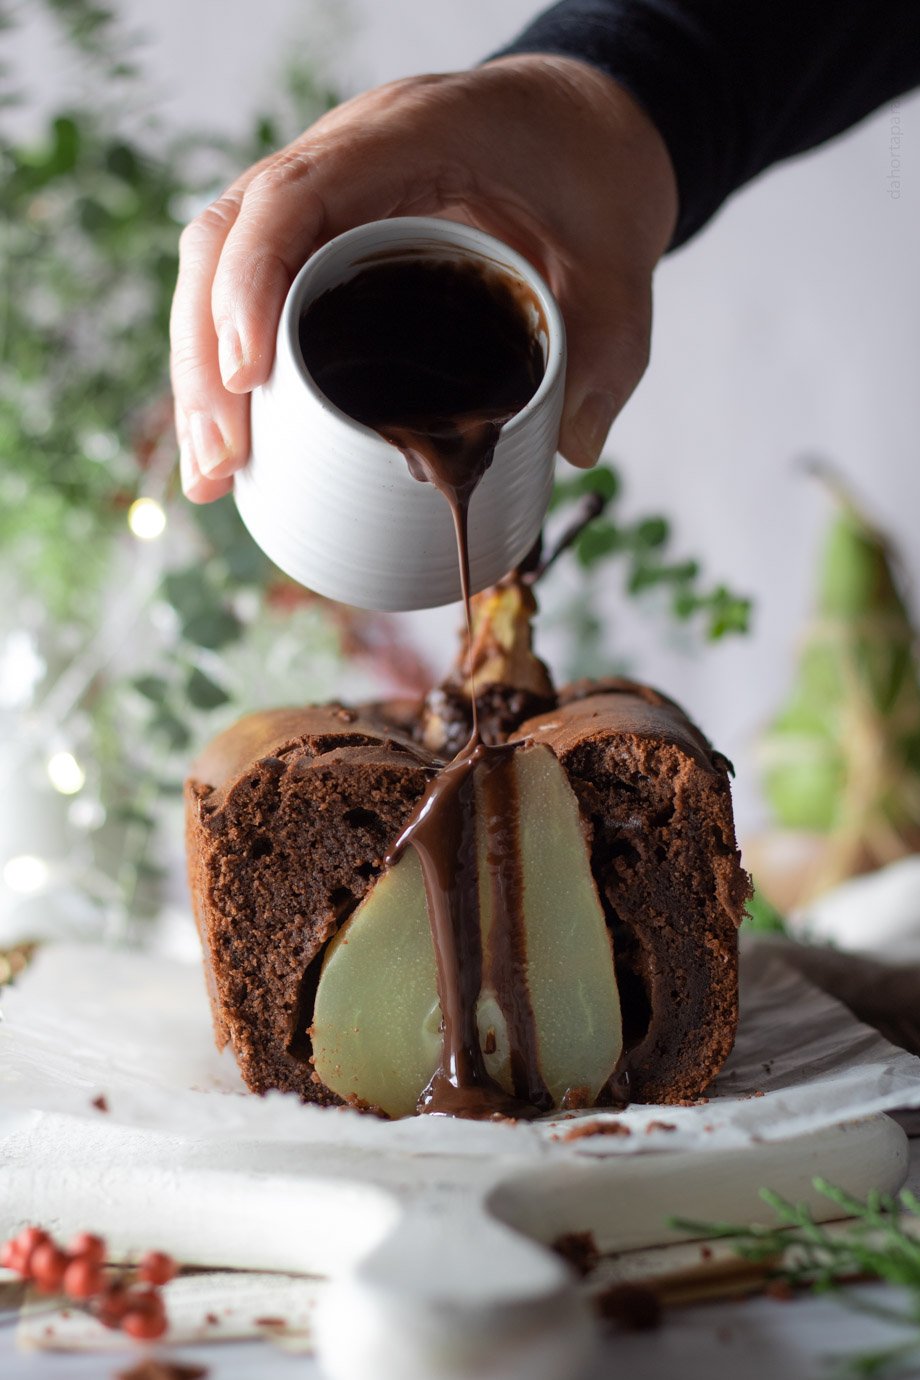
column 376, row 1020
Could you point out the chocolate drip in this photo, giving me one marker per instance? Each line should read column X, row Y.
column 443, row 834
column 508, row 946
column 437, row 356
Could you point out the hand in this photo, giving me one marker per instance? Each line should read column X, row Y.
column 546, row 153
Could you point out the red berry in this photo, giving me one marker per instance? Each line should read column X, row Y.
column 157, row 1268
column 30, row 1237
column 86, row 1246
column 83, row 1278
column 28, row 1241
column 47, row 1264
column 145, row 1318
column 148, row 1301
column 114, row 1300
column 11, row 1256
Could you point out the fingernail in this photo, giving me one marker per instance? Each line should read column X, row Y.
column 187, row 472
column 229, row 352
column 592, row 423
column 209, row 449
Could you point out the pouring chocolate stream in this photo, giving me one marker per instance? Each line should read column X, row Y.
column 439, row 379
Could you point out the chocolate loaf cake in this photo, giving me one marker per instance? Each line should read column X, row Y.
column 291, row 816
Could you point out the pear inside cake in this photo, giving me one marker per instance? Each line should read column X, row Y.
column 319, row 956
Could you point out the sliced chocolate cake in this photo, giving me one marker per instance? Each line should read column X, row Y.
column 596, row 952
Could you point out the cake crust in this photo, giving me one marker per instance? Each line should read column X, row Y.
column 289, row 815
column 656, row 797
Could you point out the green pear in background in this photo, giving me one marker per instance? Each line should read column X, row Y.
column 841, row 761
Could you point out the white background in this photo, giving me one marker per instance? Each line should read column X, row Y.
column 789, row 326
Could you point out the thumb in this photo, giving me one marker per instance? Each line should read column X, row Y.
column 608, row 347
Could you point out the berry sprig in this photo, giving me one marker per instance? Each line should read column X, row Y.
column 129, row 1301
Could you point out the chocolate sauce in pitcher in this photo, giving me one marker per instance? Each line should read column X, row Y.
column 437, row 355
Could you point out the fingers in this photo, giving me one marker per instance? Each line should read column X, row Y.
column 195, row 485
column 608, row 348
column 305, row 196
column 212, row 425
column 238, row 259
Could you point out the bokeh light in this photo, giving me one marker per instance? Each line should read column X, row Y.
column 146, row 519
column 65, row 773
column 26, row 874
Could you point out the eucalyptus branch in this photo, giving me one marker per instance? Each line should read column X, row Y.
column 644, row 548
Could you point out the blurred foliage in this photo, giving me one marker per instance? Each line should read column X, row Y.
column 144, row 646
column 89, row 223
column 132, row 642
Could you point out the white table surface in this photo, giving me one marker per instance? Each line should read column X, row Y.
column 757, row 1339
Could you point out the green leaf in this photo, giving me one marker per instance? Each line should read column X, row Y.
column 153, row 688
column 122, row 161
column 213, row 629
column 66, row 145
column 647, row 576
column 203, row 692
column 598, row 540
column 267, row 136
column 652, row 532
column 189, row 592
column 167, row 725
column 729, row 614
column 601, row 480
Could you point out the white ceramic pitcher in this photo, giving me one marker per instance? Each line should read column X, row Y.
column 334, row 505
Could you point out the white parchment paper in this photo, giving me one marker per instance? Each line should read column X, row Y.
column 135, row 1029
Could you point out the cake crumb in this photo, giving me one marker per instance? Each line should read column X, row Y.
column 660, row 1126
column 101, row 1103
column 154, row 1369
column 273, row 1323
column 576, row 1099
column 578, row 1249
column 490, row 1043
column 597, row 1128
column 631, row 1307
column 357, row 1104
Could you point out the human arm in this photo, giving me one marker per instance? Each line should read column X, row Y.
column 734, row 86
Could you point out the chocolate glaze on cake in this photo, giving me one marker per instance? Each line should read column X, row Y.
column 291, row 814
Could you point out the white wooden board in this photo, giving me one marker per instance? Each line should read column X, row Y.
column 439, row 1263
column 434, row 1235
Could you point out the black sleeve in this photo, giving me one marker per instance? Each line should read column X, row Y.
column 735, row 85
